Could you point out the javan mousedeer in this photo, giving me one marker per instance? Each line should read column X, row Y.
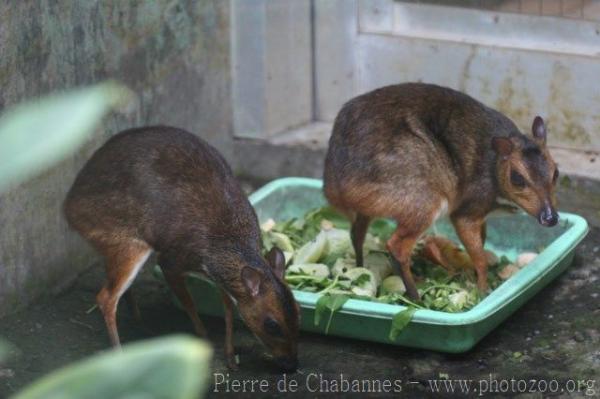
column 163, row 189
column 413, row 152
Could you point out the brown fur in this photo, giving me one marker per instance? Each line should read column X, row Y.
column 406, row 151
column 165, row 190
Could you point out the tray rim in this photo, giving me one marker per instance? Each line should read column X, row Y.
column 517, row 285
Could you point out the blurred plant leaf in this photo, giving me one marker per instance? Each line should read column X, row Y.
column 34, row 135
column 4, row 347
column 171, row 367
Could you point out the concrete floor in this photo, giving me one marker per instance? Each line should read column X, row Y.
column 556, row 336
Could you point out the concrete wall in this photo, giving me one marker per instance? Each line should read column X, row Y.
column 173, row 53
column 271, row 66
column 522, row 65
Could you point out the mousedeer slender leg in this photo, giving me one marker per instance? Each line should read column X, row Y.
column 401, row 245
column 229, row 349
column 472, row 234
column 176, row 281
column 358, row 234
column 123, row 262
column 483, row 233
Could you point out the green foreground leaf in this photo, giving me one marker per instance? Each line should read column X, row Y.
column 171, row 367
column 4, row 347
column 37, row 134
column 400, row 321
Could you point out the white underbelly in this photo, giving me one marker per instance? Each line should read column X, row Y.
column 441, row 211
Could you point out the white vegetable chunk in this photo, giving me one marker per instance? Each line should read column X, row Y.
column 393, row 285
column 310, row 269
column 338, row 243
column 281, row 241
column 525, row 258
column 267, row 225
column 360, row 285
column 342, row 265
column 312, row 251
column 508, row 271
column 379, row 264
column 459, row 299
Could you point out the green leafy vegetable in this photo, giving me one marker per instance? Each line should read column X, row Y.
column 310, row 269
column 331, row 303
column 459, row 298
column 322, row 238
column 400, row 321
column 382, row 228
column 363, row 281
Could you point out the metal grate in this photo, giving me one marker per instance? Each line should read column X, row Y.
column 573, row 9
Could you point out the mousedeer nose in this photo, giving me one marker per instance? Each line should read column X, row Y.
column 548, row 217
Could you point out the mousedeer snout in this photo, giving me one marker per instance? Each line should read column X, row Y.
column 548, row 216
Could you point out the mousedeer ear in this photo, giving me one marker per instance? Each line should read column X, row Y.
column 251, row 278
column 538, row 129
column 503, row 146
column 276, row 259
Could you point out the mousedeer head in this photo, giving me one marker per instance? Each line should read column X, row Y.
column 527, row 174
column 270, row 311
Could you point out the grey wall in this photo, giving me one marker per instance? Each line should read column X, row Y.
column 522, row 65
column 173, row 53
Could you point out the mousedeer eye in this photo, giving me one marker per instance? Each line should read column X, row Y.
column 517, row 179
column 555, row 177
column 272, row 328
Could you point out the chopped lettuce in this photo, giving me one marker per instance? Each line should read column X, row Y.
column 363, row 282
column 338, row 244
column 309, row 269
column 323, row 261
column 311, row 251
column 342, row 265
column 279, row 240
column 379, row 264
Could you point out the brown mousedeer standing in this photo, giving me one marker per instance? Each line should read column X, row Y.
column 163, row 189
column 413, row 152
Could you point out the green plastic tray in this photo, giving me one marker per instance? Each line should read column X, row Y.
column 435, row 330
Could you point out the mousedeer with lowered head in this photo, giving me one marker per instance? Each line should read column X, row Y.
column 165, row 190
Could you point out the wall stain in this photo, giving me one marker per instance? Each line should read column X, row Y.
column 486, row 89
column 564, row 120
column 174, row 54
column 466, row 70
column 515, row 101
